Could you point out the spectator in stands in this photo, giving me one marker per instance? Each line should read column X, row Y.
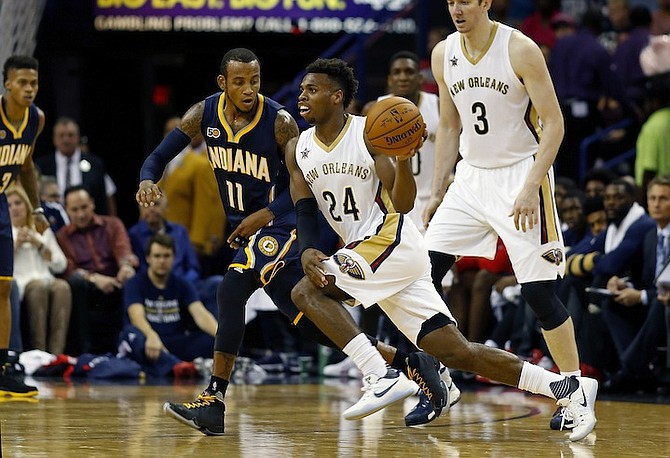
column 595, row 182
column 653, row 142
column 660, row 18
column 100, row 261
column 50, row 198
column 166, row 323
column 581, row 70
column 73, row 167
column 538, row 25
column 185, row 263
column 37, row 257
column 572, row 215
column 635, row 316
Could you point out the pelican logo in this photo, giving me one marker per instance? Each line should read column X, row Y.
column 268, row 245
column 213, row 132
column 554, row 256
column 349, row 266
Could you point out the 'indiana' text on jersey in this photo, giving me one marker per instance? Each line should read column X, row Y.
column 15, row 144
column 247, row 163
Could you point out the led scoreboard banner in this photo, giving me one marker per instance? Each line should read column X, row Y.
column 261, row 16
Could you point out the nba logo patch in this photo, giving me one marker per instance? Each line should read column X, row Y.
column 554, row 256
column 349, row 266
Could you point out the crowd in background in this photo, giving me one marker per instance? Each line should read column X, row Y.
column 80, row 283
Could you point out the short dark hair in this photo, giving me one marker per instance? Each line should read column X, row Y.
column 17, row 62
column 627, row 185
column 162, row 240
column 605, row 176
column 340, row 73
column 75, row 188
column 592, row 205
column 238, row 55
column 404, row 55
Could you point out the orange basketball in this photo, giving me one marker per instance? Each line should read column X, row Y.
column 394, row 125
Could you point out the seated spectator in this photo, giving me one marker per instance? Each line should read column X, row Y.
column 71, row 166
column 166, row 323
column 596, row 180
column 51, row 203
column 185, row 264
column 37, row 257
column 99, row 262
column 635, row 316
column 572, row 216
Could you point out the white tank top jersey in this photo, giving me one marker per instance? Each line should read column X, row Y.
column 344, row 181
column 424, row 160
column 500, row 125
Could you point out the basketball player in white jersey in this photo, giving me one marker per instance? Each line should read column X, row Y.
column 384, row 260
column 498, row 109
column 404, row 80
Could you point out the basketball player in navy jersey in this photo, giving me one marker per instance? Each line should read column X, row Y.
column 246, row 135
column 20, row 124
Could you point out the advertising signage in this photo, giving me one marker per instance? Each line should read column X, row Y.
column 261, row 16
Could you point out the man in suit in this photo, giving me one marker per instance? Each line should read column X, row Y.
column 635, row 313
column 71, row 167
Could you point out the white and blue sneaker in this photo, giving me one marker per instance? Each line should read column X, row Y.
column 580, row 407
column 379, row 393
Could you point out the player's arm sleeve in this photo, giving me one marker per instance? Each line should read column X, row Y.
column 307, row 223
column 282, row 204
column 167, row 149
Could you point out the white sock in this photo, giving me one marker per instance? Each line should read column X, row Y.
column 576, row 373
column 366, row 357
column 536, row 380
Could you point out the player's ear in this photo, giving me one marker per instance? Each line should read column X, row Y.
column 221, row 82
column 337, row 96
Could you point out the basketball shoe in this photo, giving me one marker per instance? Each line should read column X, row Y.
column 11, row 383
column 379, row 393
column 561, row 420
column 204, row 414
column 423, row 412
column 424, row 369
column 578, row 396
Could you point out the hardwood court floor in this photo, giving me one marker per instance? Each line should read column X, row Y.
column 303, row 420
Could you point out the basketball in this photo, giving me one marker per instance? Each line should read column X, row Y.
column 394, row 125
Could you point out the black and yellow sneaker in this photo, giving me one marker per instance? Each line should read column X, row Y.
column 424, row 370
column 204, row 414
column 11, row 383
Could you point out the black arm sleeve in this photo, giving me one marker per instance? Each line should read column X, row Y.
column 307, row 223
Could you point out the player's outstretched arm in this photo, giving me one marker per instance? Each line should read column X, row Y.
column 171, row 145
column 28, row 177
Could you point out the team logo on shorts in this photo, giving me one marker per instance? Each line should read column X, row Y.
column 3, row 134
column 349, row 266
column 554, row 256
column 268, row 245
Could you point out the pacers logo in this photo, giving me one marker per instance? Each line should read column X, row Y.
column 349, row 266
column 268, row 245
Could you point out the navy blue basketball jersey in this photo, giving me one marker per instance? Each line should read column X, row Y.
column 248, row 163
column 15, row 144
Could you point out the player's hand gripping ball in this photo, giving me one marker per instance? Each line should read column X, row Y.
column 394, row 126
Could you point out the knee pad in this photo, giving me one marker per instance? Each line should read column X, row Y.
column 440, row 263
column 542, row 298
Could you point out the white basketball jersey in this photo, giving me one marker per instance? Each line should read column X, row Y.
column 500, row 125
column 344, row 181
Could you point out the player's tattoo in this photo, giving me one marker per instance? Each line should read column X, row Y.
column 285, row 128
column 190, row 123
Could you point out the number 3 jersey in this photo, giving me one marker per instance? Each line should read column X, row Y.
column 344, row 181
column 247, row 164
column 15, row 144
column 500, row 125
